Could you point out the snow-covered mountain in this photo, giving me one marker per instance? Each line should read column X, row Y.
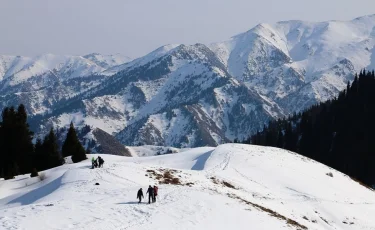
column 297, row 64
column 228, row 187
column 196, row 95
column 107, row 61
column 41, row 81
column 181, row 97
column 16, row 70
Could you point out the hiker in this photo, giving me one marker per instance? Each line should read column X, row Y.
column 93, row 162
column 155, row 193
column 101, row 162
column 140, row 195
column 150, row 192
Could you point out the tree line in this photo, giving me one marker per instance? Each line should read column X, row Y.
column 18, row 153
column 339, row 133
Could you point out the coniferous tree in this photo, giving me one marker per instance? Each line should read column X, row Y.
column 72, row 146
column 50, row 150
column 24, row 139
column 16, row 142
column 280, row 139
column 39, row 158
column 10, row 167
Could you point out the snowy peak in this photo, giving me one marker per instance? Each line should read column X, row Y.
column 154, row 55
column 107, row 61
column 280, row 60
column 17, row 70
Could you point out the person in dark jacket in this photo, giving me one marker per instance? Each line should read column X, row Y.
column 101, row 162
column 140, row 195
column 150, row 192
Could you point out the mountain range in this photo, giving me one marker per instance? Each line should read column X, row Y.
column 193, row 95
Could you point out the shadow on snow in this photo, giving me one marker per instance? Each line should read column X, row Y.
column 201, row 161
column 39, row 193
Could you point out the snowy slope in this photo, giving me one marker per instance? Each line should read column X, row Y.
column 273, row 189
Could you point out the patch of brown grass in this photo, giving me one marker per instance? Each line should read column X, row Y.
column 166, row 176
column 227, row 184
column 324, row 220
column 189, row 184
column 270, row 212
column 175, row 181
column 214, row 180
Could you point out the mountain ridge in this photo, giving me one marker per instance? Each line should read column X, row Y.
column 194, row 95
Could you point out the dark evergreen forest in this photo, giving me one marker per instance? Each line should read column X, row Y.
column 18, row 154
column 339, row 133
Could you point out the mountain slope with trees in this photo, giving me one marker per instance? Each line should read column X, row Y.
column 339, row 133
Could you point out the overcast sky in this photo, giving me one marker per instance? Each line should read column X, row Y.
column 136, row 27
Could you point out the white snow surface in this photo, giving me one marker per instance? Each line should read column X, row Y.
column 291, row 186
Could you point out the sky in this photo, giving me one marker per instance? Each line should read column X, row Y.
column 136, row 27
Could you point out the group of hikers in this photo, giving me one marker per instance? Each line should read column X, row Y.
column 152, row 194
column 151, row 191
column 98, row 162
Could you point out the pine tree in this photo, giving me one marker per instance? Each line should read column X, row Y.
column 39, row 158
column 8, row 150
column 72, row 146
column 50, row 151
column 24, row 139
column 280, row 139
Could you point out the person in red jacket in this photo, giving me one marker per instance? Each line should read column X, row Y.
column 155, row 193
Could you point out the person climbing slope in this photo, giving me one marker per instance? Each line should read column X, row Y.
column 150, row 192
column 140, row 195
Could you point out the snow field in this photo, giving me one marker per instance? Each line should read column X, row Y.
column 231, row 186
